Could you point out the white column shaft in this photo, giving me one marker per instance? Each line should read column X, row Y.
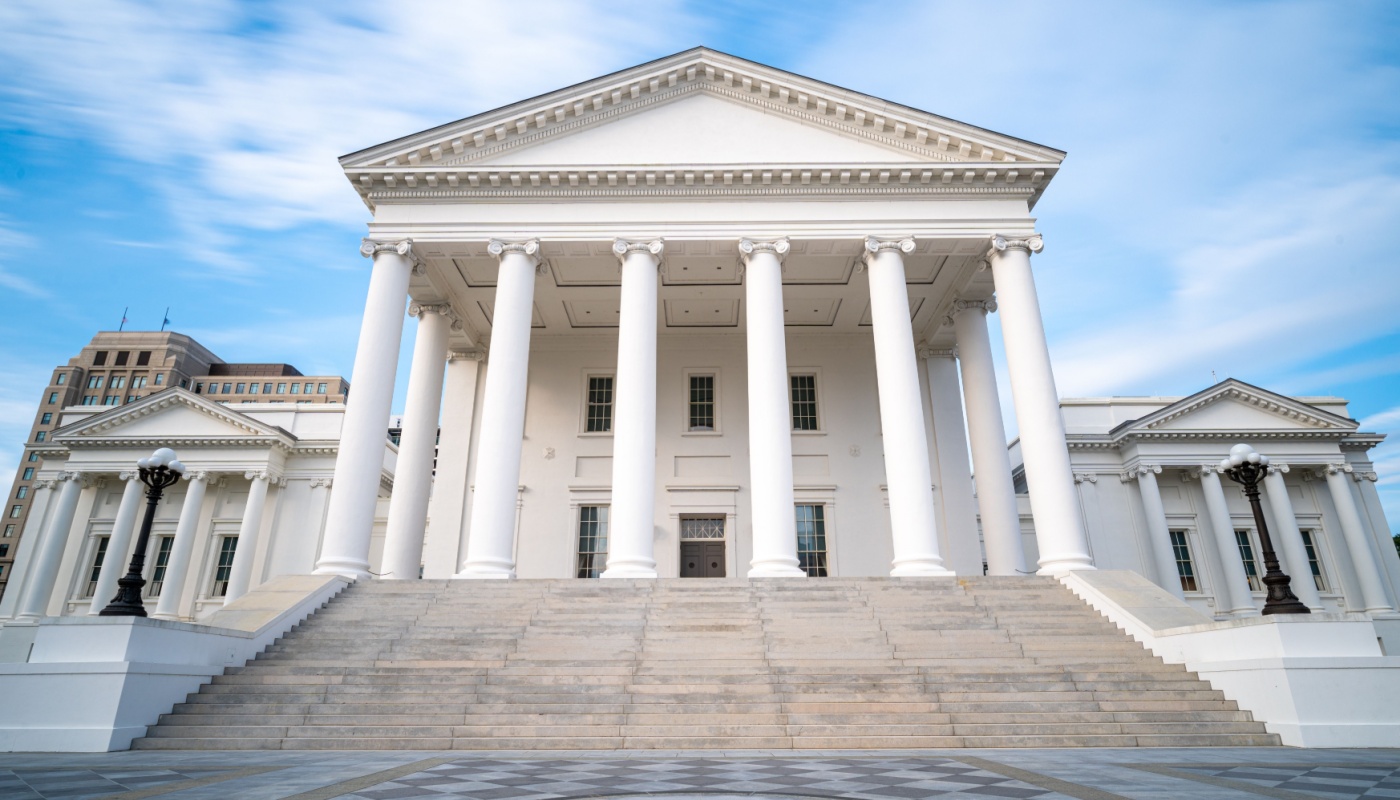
column 491, row 542
column 1362, row 556
column 413, row 472
column 350, row 519
column 991, row 463
column 177, row 569
column 118, row 545
column 444, row 546
column 632, row 515
column 1290, row 541
column 952, row 472
column 907, row 473
column 47, row 558
column 1232, row 596
column 241, row 571
column 1059, row 524
column 770, row 422
column 1158, row 535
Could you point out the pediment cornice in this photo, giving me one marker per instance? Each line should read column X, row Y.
column 1240, row 392
column 101, row 430
column 445, row 162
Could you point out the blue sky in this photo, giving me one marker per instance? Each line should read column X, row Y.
column 1226, row 209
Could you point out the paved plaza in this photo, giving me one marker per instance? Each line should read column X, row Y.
column 1087, row 774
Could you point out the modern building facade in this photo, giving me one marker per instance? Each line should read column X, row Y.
column 117, row 368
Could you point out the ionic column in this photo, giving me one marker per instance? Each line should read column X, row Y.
column 1290, row 539
column 444, row 545
column 34, row 602
column 491, row 537
column 119, row 544
column 177, row 569
column 991, row 463
column 633, row 511
column 413, row 472
column 350, row 519
column 956, row 501
column 1059, row 524
column 770, row 420
column 1362, row 556
column 241, row 571
column 1232, row 596
column 907, row 472
column 1158, row 535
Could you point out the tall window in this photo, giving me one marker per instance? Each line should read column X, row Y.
column 138, row 382
column 804, row 402
column 95, row 382
column 600, row 404
column 162, row 560
column 53, row 397
column 592, row 540
column 47, row 418
column 28, row 474
column 1181, row 549
column 9, row 531
column 160, row 381
column 16, row 511
column 702, row 402
column 811, row 540
column 61, row 379
column 41, row 436
column 118, row 381
column 97, row 558
column 228, row 545
column 1314, row 563
column 1251, row 569
column 22, row 492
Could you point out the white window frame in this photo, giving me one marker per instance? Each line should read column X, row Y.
column 686, row 375
column 816, row 373
column 587, row 375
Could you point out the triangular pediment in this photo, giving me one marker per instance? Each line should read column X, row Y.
column 1234, row 405
column 173, row 414
column 694, row 108
column 701, row 128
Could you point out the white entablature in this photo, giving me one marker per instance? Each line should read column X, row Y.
column 833, row 142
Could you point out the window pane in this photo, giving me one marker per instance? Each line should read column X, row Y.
column 1184, row 568
column 227, row 546
column 163, row 545
column 1313, row 561
column 702, row 528
column 242, row 387
column 811, row 540
column 600, row 400
column 62, row 378
column 1251, row 570
column 702, row 402
column 804, row 402
column 96, row 570
column 592, row 541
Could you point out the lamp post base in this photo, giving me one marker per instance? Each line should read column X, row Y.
column 1281, row 599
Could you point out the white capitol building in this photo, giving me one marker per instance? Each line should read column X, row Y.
column 706, row 318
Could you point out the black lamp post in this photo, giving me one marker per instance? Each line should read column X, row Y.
column 1247, row 467
column 158, row 471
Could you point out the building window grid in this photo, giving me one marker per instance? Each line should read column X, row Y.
column 99, row 555
column 600, row 404
column 1181, row 551
column 702, row 402
column 1251, row 568
column 162, row 560
column 811, row 540
column 804, row 402
column 592, row 541
column 228, row 545
column 699, row 528
column 1314, row 562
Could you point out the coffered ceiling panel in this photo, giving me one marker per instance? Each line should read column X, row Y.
column 536, row 319
column 593, row 313
column 815, row 312
column 915, row 303
column 702, row 313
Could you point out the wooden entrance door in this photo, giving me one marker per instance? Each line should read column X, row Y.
column 702, row 559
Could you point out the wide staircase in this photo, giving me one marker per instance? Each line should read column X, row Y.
column 704, row 664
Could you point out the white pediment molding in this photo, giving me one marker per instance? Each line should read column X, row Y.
column 444, row 162
column 104, row 429
column 1288, row 410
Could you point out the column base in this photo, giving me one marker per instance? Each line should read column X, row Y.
column 487, row 572
column 774, row 569
column 629, row 571
column 167, row 617
column 354, row 570
column 922, row 568
column 1065, row 565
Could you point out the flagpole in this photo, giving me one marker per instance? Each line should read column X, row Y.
column 123, row 325
column 166, row 319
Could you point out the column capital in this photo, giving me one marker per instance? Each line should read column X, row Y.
column 1277, row 468
column 258, row 474
column 321, row 483
column 1031, row 244
column 778, row 247
column 987, row 305
column 466, row 355
column 927, row 351
column 198, row 475
column 530, row 248
column 874, row 244
column 1086, row 477
column 49, row 484
column 129, row 475
column 369, row 248
column 419, row 310
column 1365, row 476
column 624, row 247
column 1333, row 469
column 1140, row 470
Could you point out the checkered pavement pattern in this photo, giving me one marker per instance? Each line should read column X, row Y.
column 41, row 784
column 1329, row 782
column 863, row 778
